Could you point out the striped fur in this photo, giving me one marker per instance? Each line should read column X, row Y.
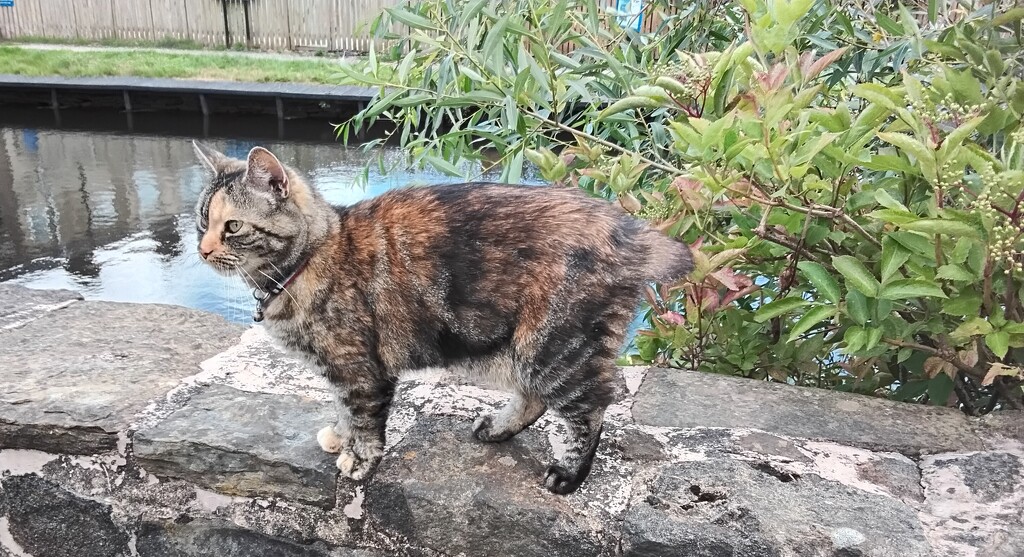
column 527, row 288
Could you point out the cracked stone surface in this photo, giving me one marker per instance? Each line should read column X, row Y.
column 210, row 449
column 672, row 398
column 75, row 377
column 724, row 507
column 244, row 444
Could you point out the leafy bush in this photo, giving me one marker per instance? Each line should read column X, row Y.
column 852, row 176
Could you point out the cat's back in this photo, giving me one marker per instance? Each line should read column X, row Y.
column 496, row 213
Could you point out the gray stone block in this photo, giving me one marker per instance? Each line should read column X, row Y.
column 220, row 538
column 723, row 507
column 47, row 521
column 22, row 305
column 247, row 444
column 677, row 398
column 443, row 490
column 75, row 378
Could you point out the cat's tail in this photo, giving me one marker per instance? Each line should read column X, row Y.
column 668, row 260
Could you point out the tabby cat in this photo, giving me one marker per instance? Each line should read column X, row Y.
column 529, row 288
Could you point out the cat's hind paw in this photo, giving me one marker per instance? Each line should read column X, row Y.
column 560, row 481
column 329, row 440
column 358, row 460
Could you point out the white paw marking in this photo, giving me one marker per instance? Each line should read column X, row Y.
column 329, row 440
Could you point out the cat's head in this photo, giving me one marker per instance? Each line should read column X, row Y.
column 256, row 218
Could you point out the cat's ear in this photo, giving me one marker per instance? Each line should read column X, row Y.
column 263, row 170
column 211, row 158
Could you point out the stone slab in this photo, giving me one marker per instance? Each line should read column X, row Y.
column 444, row 491
column 974, row 503
column 206, row 537
column 685, row 399
column 21, row 305
column 244, row 444
column 722, row 507
column 75, row 378
column 46, row 521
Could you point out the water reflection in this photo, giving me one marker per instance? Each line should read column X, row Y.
column 110, row 214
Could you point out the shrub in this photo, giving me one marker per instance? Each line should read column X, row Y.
column 853, row 178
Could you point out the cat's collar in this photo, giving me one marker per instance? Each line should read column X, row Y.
column 264, row 297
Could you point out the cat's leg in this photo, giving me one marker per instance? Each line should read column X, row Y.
column 583, row 411
column 367, row 405
column 333, row 437
column 517, row 415
column 575, row 381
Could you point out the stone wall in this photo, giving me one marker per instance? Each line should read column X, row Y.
column 159, row 431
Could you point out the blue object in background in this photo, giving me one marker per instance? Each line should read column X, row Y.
column 632, row 13
column 6, row 3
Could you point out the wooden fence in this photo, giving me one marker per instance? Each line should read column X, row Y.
column 262, row 24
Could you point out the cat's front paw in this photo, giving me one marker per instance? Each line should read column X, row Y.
column 329, row 440
column 357, row 460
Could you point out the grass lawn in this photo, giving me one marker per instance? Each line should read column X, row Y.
column 212, row 66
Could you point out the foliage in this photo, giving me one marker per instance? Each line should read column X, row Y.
column 153, row 63
column 852, row 176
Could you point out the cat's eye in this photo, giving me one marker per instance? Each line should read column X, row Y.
column 233, row 226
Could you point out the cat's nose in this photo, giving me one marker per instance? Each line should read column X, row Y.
column 204, row 252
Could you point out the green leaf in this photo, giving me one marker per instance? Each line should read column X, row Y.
column 888, row 201
column 1009, row 16
column 925, row 156
column 894, row 255
column 778, row 307
column 889, row 24
column 939, row 389
column 956, row 137
column 966, row 304
column 822, row 280
column 894, row 216
column 948, row 227
column 954, row 272
column 911, row 389
column 998, row 342
column 857, row 307
column 878, row 94
column 628, row 103
column 855, row 337
column 910, row 288
column 976, row 326
column 856, row 275
column 916, row 243
column 815, row 315
column 442, row 165
column 414, row 21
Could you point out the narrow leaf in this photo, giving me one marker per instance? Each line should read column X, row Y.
column 778, row 307
column 910, row 288
column 813, row 316
column 856, row 275
column 822, row 280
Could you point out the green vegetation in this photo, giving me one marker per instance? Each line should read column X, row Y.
column 148, row 63
column 166, row 42
column 851, row 174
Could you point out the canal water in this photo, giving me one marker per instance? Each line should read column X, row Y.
column 93, row 207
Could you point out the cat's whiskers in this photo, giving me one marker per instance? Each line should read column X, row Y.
column 276, row 269
column 279, row 284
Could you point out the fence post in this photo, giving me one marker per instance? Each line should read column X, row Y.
column 227, row 28
column 248, row 27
